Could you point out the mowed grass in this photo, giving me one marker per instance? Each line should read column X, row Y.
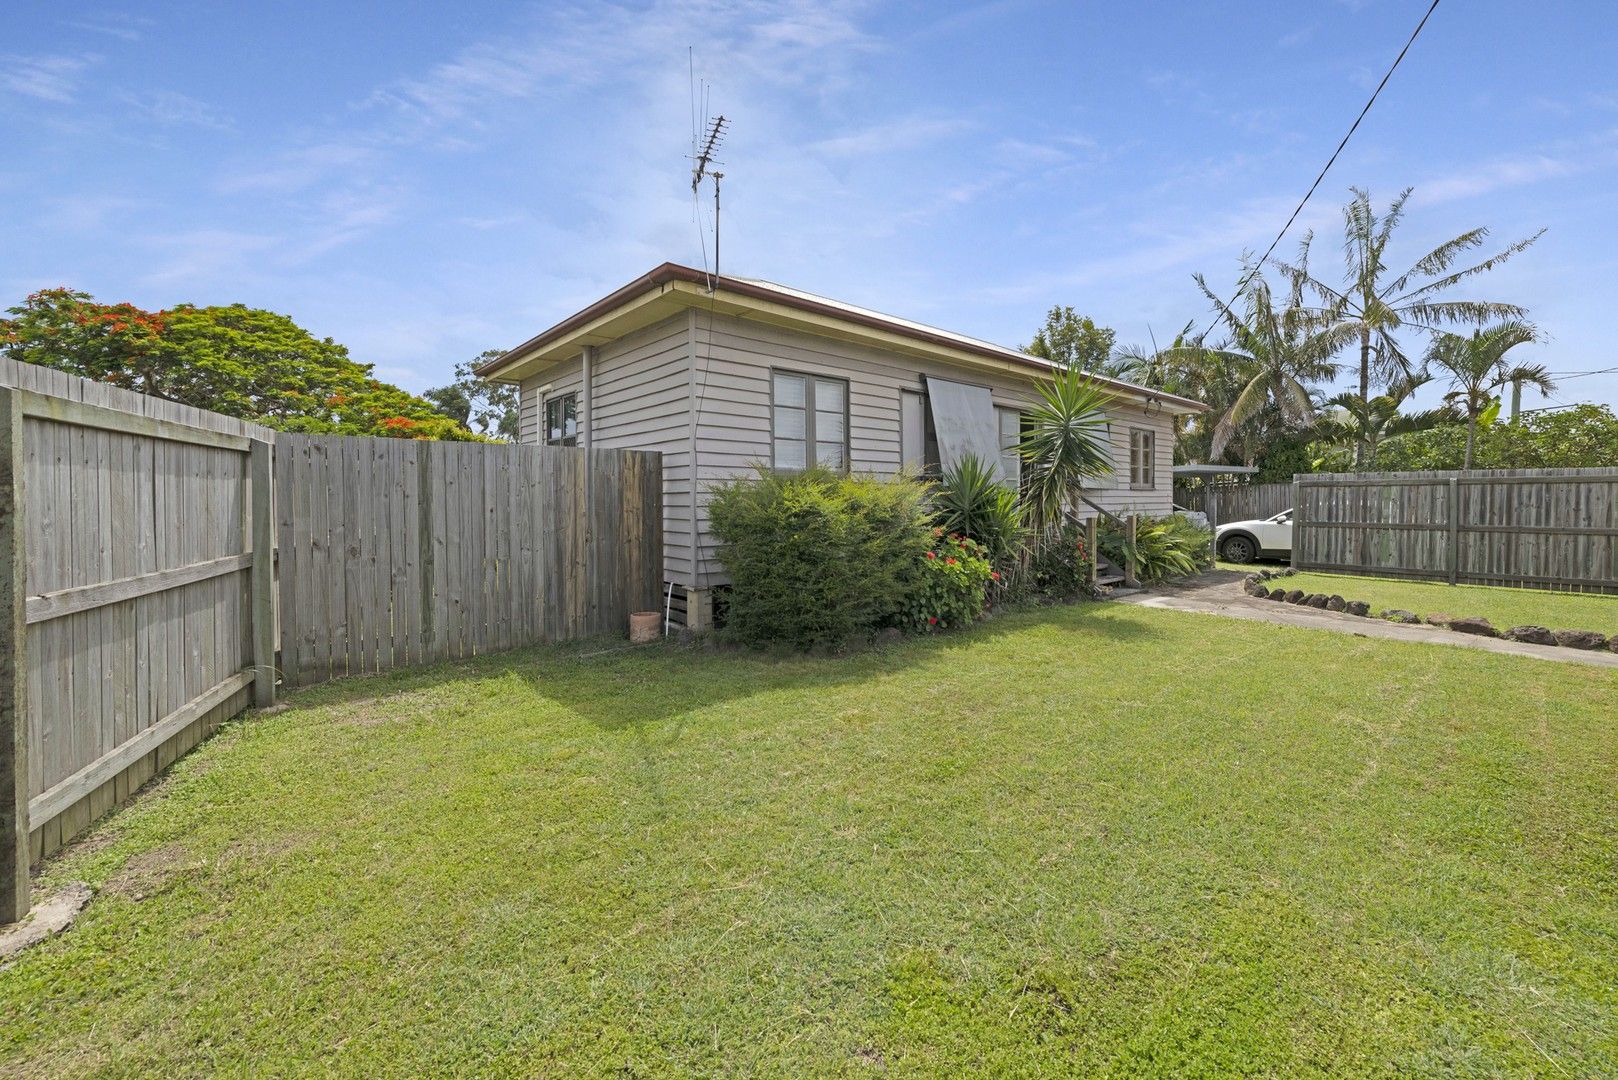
column 1101, row 840
column 1503, row 607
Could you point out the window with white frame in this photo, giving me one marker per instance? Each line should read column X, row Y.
column 1142, row 451
column 562, row 420
column 1010, row 440
column 809, row 421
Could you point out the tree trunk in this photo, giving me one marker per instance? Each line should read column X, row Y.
column 1471, row 435
column 1365, row 389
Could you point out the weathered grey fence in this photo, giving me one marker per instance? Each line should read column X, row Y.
column 141, row 606
column 1540, row 528
column 395, row 552
column 1237, row 502
column 133, row 576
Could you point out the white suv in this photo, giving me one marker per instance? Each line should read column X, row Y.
column 1244, row 541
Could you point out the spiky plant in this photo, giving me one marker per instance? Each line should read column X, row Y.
column 970, row 500
column 1065, row 444
column 1476, row 367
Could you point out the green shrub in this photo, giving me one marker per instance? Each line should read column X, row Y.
column 1164, row 547
column 951, row 588
column 817, row 557
column 1058, row 563
column 970, row 501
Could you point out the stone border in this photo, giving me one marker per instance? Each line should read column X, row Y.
column 1589, row 640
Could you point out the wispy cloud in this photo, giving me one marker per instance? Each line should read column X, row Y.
column 296, row 169
column 115, row 24
column 905, row 133
column 172, row 108
column 45, row 78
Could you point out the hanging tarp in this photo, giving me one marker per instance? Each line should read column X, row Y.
column 963, row 417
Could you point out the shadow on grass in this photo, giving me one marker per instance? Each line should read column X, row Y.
column 615, row 685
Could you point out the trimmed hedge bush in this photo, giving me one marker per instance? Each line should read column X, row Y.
column 817, row 557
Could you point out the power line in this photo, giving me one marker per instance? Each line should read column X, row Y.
column 1329, row 163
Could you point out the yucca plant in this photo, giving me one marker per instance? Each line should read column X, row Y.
column 970, row 500
column 1064, row 444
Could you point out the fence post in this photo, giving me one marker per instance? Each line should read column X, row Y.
column 424, row 528
column 260, row 469
column 13, row 667
column 1297, row 522
column 1454, row 530
column 1092, row 550
column 1130, row 562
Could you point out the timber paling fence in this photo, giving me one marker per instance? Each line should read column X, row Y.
column 1536, row 528
column 143, row 605
column 1237, row 502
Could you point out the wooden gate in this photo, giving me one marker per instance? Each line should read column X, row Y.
column 136, row 593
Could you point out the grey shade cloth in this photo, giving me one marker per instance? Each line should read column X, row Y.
column 964, row 418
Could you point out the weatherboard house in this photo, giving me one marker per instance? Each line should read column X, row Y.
column 723, row 374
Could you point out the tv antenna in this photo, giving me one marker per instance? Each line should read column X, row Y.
column 704, row 168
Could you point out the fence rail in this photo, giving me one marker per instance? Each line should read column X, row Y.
column 1540, row 528
column 141, row 603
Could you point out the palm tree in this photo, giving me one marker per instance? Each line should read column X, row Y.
column 1476, row 366
column 1278, row 355
column 1064, row 442
column 1376, row 308
column 1354, row 421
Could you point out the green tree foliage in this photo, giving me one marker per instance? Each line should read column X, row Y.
column 1065, row 444
column 1476, row 367
column 1582, row 437
column 1071, row 340
column 489, row 408
column 236, row 360
column 1374, row 305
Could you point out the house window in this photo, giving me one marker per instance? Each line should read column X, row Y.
column 1010, row 440
column 1142, row 448
column 562, row 420
column 809, row 421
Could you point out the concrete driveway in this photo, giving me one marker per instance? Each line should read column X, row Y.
column 1219, row 592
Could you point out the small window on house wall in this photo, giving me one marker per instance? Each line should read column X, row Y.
column 1142, row 453
column 562, row 420
column 1010, row 440
column 808, row 422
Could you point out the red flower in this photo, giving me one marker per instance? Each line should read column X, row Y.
column 932, row 554
column 950, row 562
column 932, row 620
column 995, row 574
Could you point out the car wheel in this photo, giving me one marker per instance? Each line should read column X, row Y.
column 1238, row 549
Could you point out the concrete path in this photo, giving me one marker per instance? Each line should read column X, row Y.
column 1219, row 592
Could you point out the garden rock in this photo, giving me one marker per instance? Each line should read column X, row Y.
column 1480, row 627
column 1533, row 635
column 1612, row 643
column 1281, row 594
column 1294, row 596
column 1335, row 603
column 1252, row 587
column 1318, row 600
column 1399, row 615
column 1440, row 618
column 1580, row 639
column 1358, row 607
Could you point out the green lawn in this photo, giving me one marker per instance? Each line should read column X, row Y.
column 1102, row 840
column 1503, row 607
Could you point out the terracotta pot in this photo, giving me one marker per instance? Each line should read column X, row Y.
column 644, row 626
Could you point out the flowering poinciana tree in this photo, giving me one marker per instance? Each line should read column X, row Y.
column 236, row 360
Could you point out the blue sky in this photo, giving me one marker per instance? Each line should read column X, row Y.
column 424, row 181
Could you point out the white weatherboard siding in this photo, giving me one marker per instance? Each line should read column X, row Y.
column 734, row 358
column 638, row 401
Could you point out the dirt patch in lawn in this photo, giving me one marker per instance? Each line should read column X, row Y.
column 148, row 872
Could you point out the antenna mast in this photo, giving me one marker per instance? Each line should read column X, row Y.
column 703, row 168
